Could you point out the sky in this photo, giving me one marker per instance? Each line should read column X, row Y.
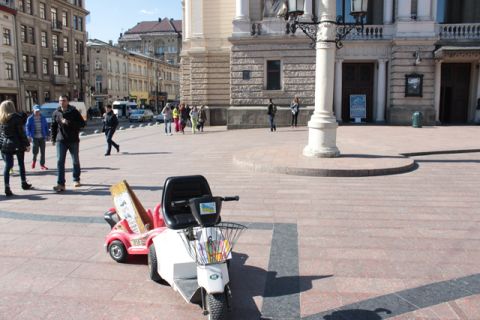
column 109, row 18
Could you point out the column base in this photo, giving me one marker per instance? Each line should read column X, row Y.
column 322, row 138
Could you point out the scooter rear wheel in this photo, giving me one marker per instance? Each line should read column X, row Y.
column 153, row 264
column 216, row 306
column 117, row 251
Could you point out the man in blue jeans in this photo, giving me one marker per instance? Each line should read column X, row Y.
column 66, row 124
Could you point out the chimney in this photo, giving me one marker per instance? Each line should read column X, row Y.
column 159, row 19
column 121, row 35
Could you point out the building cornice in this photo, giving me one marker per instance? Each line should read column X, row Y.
column 8, row 9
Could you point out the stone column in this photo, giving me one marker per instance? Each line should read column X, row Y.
column 338, row 89
column 438, row 86
column 382, row 80
column 477, row 111
column 387, row 11
column 242, row 11
column 405, row 10
column 322, row 127
column 423, row 10
column 197, row 22
column 241, row 22
column 187, row 19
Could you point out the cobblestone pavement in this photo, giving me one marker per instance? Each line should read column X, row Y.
column 402, row 246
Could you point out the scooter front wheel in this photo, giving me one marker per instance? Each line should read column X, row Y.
column 117, row 251
column 153, row 264
column 216, row 306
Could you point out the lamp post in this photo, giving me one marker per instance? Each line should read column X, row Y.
column 327, row 34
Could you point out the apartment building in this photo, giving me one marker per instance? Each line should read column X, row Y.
column 8, row 66
column 160, row 39
column 51, row 40
column 412, row 55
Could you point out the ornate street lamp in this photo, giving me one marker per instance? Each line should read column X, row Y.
column 358, row 9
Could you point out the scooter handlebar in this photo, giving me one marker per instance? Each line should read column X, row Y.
column 234, row 198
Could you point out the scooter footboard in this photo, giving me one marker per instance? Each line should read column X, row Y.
column 213, row 277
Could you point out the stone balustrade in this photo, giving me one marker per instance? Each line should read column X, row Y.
column 459, row 31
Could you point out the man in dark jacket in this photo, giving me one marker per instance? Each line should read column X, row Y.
column 66, row 124
column 110, row 123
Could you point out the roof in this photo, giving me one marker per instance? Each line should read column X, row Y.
column 163, row 25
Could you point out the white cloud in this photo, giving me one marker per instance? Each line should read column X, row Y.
column 149, row 12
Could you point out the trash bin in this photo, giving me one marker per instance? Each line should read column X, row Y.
column 417, row 119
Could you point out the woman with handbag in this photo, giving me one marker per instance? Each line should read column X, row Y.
column 13, row 142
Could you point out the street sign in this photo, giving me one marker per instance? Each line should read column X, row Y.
column 358, row 107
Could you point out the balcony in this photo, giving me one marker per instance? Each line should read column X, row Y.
column 60, row 79
column 7, row 3
column 57, row 25
column 459, row 31
column 58, row 52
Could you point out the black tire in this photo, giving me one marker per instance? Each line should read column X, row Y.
column 153, row 264
column 217, row 306
column 117, row 251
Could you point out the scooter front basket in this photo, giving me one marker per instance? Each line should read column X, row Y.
column 211, row 245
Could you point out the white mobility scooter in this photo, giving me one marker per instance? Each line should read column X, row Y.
column 191, row 254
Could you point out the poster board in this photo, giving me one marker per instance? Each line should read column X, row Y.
column 358, row 107
column 129, row 207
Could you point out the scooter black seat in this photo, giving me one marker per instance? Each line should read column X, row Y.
column 182, row 188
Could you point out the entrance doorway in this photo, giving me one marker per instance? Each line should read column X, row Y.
column 357, row 80
column 454, row 93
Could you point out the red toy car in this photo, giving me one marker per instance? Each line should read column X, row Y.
column 121, row 241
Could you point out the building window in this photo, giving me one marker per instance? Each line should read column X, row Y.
column 44, row 39
column 78, row 23
column 66, row 69
column 77, row 71
column 25, row 63
column 98, row 65
column 33, row 65
column 124, row 67
column 46, row 96
column 56, row 69
column 109, row 83
column 23, row 33
column 45, row 66
column 8, row 71
column 274, row 75
column 54, row 42
column 98, row 84
column 65, row 44
column 118, row 67
column 76, row 46
column 42, row 11
column 53, row 15
column 28, row 7
column 7, row 37
column 64, row 19
column 31, row 35
column 109, row 67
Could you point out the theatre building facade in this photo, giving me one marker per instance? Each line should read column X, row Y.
column 412, row 55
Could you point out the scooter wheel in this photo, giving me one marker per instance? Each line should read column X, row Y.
column 117, row 251
column 153, row 264
column 216, row 306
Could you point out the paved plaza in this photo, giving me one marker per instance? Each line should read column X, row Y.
column 399, row 246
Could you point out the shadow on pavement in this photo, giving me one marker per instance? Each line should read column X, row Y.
column 357, row 314
column 449, row 161
column 142, row 153
column 250, row 281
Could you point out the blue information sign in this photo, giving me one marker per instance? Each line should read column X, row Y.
column 358, row 106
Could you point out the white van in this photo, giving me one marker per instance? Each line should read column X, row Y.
column 123, row 108
column 48, row 108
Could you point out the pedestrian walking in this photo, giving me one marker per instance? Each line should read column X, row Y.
column 202, row 118
column 183, row 118
column 295, row 108
column 66, row 124
column 167, row 119
column 176, row 118
column 14, row 142
column 272, row 110
column 37, row 133
column 110, row 124
column 194, row 118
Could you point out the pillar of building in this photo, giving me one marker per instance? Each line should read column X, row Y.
column 187, row 19
column 197, row 23
column 477, row 111
column 438, row 85
column 241, row 22
column 307, row 10
column 405, row 10
column 322, row 127
column 338, row 89
column 381, row 89
column 387, row 11
column 424, row 10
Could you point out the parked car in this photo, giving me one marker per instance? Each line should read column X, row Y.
column 158, row 118
column 141, row 115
